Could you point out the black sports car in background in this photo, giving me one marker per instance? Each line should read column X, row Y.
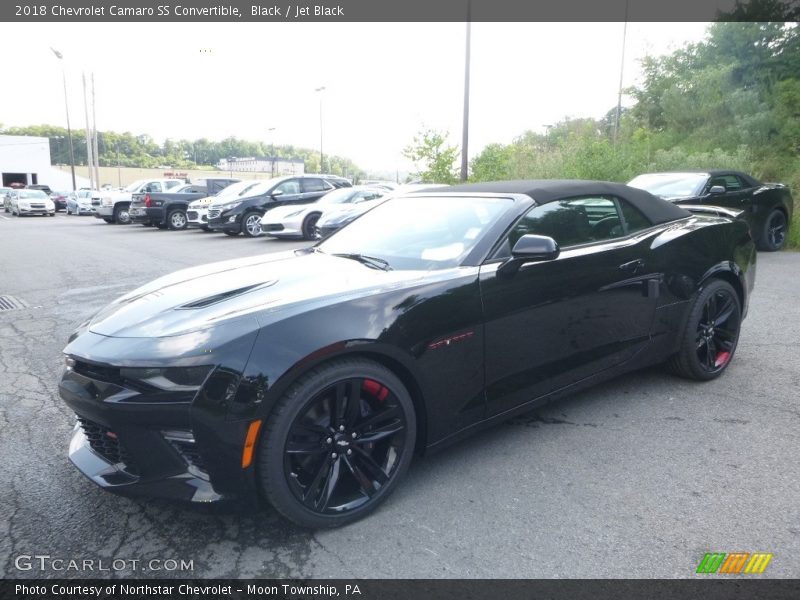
column 767, row 207
column 310, row 377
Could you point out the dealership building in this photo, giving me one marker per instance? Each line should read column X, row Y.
column 26, row 160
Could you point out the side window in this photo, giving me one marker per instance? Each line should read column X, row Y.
column 634, row 219
column 575, row 221
column 288, row 187
column 170, row 184
column 153, row 186
column 312, row 184
column 731, row 183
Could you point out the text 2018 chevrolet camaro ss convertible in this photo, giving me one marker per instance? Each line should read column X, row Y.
column 310, row 378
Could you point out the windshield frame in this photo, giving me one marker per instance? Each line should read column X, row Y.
column 676, row 176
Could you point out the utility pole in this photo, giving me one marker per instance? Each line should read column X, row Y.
column 321, row 155
column 89, row 160
column 94, row 132
column 621, row 70
column 60, row 57
column 465, row 126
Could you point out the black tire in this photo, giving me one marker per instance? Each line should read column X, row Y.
column 773, row 234
column 710, row 334
column 309, row 224
column 251, row 224
column 333, row 475
column 205, row 229
column 121, row 215
column 176, row 219
column 230, row 233
column 108, row 220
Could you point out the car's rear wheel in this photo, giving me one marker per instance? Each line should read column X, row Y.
column 251, row 224
column 176, row 220
column 309, row 226
column 774, row 234
column 121, row 215
column 337, row 443
column 711, row 333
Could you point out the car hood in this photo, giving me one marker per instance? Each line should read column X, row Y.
column 201, row 297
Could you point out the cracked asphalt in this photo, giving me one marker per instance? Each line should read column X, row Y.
column 638, row 477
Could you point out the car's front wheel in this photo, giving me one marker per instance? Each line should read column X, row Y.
column 121, row 215
column 337, row 443
column 310, row 226
column 711, row 333
column 251, row 224
column 774, row 234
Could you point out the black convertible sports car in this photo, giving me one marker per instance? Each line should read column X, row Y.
column 767, row 207
column 309, row 378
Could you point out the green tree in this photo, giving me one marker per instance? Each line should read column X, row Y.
column 435, row 160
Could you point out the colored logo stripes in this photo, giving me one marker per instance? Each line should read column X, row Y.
column 734, row 562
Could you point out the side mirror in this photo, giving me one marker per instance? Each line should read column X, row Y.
column 717, row 189
column 277, row 193
column 530, row 248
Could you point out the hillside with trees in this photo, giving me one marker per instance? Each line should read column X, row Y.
column 142, row 151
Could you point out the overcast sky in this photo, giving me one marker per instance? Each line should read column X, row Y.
column 383, row 81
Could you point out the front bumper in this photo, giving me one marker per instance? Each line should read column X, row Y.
column 197, row 217
column 224, row 223
column 104, row 212
column 35, row 211
column 287, row 229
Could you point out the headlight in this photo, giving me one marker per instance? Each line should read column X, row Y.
column 171, row 379
column 229, row 206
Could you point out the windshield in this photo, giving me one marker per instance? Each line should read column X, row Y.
column 671, row 185
column 419, row 232
column 33, row 195
column 135, row 185
column 235, row 189
column 338, row 196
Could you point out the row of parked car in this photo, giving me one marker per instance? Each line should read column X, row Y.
column 302, row 206
column 314, row 206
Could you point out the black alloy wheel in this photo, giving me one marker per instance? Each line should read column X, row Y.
column 310, row 226
column 711, row 334
column 774, row 234
column 332, row 458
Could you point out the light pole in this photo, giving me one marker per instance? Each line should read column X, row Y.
column 321, row 155
column 465, row 126
column 60, row 57
column 271, row 150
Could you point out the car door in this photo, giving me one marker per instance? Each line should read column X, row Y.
column 737, row 195
column 553, row 323
column 286, row 192
column 314, row 188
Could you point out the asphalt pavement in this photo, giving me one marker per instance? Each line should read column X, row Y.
column 636, row 478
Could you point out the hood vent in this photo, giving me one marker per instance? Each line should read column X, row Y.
column 209, row 300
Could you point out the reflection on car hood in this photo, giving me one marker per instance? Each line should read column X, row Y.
column 200, row 297
column 277, row 214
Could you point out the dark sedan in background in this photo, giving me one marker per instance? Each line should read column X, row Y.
column 243, row 215
column 310, row 377
column 767, row 207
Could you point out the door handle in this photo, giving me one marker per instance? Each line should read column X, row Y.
column 633, row 266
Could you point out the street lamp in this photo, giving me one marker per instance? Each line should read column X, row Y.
column 321, row 156
column 271, row 150
column 60, row 57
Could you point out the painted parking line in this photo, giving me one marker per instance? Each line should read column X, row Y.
column 6, row 218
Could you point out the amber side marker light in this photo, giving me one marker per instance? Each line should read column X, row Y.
column 250, row 443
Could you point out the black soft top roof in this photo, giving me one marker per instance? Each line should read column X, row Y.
column 549, row 190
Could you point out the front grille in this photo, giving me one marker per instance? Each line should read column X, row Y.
column 106, row 443
column 213, row 213
column 273, row 227
column 191, row 215
column 95, row 202
column 37, row 206
column 106, row 374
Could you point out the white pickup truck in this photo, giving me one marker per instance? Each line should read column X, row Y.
column 113, row 205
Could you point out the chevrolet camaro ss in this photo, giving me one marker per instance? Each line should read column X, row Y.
column 310, row 378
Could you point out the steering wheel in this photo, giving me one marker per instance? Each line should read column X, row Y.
column 603, row 228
